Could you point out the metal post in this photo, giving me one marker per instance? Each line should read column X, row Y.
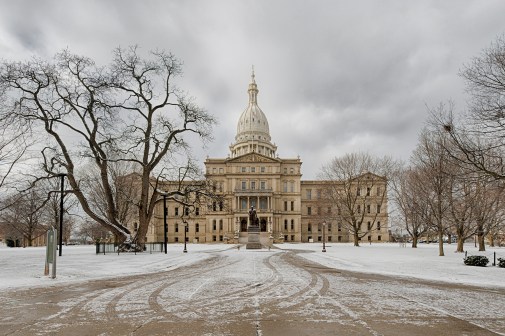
column 165, row 227
column 60, row 235
column 185, row 230
column 324, row 238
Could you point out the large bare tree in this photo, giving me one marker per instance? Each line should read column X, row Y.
column 357, row 188
column 127, row 111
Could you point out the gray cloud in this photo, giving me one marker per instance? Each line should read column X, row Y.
column 334, row 76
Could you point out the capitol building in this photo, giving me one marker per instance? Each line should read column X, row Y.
column 289, row 209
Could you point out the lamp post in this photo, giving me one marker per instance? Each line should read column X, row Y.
column 324, row 238
column 60, row 238
column 165, row 214
column 185, row 232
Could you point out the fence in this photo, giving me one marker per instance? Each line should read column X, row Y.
column 104, row 248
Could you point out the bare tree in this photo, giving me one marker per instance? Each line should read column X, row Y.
column 23, row 216
column 433, row 162
column 480, row 135
column 357, row 188
column 128, row 111
column 411, row 208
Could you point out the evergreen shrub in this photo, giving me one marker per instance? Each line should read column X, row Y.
column 476, row 261
column 501, row 262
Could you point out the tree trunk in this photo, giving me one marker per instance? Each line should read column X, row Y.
column 356, row 239
column 441, row 243
column 414, row 241
column 491, row 240
column 480, row 239
column 460, row 245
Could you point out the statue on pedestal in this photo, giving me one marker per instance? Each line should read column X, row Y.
column 253, row 217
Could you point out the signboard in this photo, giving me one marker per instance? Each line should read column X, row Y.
column 51, row 243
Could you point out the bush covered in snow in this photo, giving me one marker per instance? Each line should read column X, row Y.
column 476, row 261
column 501, row 262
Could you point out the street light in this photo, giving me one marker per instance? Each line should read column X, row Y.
column 165, row 212
column 324, row 238
column 60, row 238
column 185, row 232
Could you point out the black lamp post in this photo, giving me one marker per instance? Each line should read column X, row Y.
column 324, row 238
column 60, row 238
column 165, row 226
column 165, row 214
column 185, row 233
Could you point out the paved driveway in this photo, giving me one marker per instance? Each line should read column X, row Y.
column 254, row 293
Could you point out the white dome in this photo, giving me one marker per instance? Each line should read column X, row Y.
column 252, row 124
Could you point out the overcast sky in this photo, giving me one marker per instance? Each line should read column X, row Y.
column 334, row 76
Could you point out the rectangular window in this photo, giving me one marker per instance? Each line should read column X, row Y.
column 292, row 186
column 285, row 205
column 243, row 170
column 213, row 238
column 329, row 227
column 197, row 227
column 262, row 185
column 369, row 226
column 291, row 170
column 319, row 238
column 358, row 192
column 243, row 203
column 262, row 169
column 329, row 238
column 213, row 170
column 369, row 238
column 176, row 239
column 176, row 211
column 292, row 238
column 285, row 225
column 292, row 206
column 253, row 169
column 379, row 191
column 221, row 225
column 214, row 225
column 214, row 206
column 286, row 238
column 368, row 191
column 221, row 170
column 220, row 238
column 358, row 209
column 339, row 238
column 292, row 225
column 253, row 185
column 197, row 211
column 309, row 210
column 309, row 227
column 285, row 170
column 379, row 238
column 378, row 208
column 378, row 226
column 339, row 226
column 329, row 211
column 368, row 208
column 285, row 187
column 309, row 194
column 244, row 185
column 318, row 193
column 176, row 227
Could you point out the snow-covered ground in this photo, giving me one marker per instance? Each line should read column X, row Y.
column 422, row 263
column 21, row 267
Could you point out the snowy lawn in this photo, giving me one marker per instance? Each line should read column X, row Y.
column 21, row 267
column 421, row 263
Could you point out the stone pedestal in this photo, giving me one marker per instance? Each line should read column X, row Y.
column 253, row 239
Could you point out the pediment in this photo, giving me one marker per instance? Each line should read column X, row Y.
column 253, row 157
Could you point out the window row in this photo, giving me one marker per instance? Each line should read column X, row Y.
column 368, row 191
column 253, row 185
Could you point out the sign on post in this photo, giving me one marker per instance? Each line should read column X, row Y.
column 51, row 244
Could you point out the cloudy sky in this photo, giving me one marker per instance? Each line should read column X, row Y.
column 334, row 76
